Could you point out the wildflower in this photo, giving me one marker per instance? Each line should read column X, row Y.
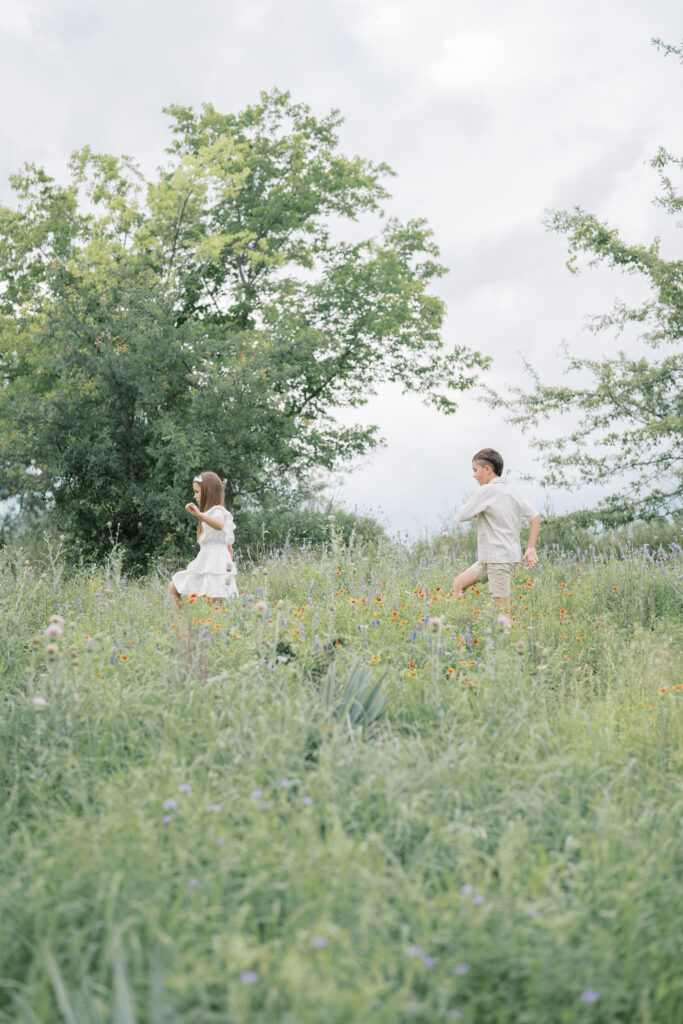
column 249, row 977
column 255, row 794
column 261, row 607
column 521, row 647
column 185, row 787
column 436, row 624
column 478, row 900
column 284, row 783
column 123, row 657
column 168, row 818
column 467, row 889
column 192, row 883
column 318, row 942
column 57, row 620
column 89, row 641
column 462, row 969
column 54, row 629
column 35, row 642
column 170, row 804
column 192, row 598
column 418, row 953
column 306, row 801
column 504, row 621
column 590, row 995
column 39, row 703
column 109, row 524
column 52, row 651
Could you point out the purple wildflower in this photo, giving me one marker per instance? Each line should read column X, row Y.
column 249, row 977
column 318, row 942
column 185, row 788
column 170, row 804
column 306, row 801
column 462, row 969
column 478, row 900
column 192, row 883
column 168, row 817
column 589, row 996
column 255, row 794
column 418, row 953
column 467, row 889
column 284, row 783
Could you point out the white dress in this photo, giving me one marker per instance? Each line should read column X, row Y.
column 212, row 572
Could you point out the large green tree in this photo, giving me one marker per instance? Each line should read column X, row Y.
column 211, row 318
column 623, row 414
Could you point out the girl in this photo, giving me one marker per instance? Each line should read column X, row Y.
column 212, row 573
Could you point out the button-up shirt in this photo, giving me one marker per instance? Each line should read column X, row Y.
column 500, row 512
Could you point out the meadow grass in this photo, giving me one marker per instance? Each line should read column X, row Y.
column 187, row 834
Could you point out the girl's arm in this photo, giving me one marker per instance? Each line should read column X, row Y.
column 212, row 521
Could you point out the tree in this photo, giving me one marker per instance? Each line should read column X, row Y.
column 626, row 412
column 210, row 318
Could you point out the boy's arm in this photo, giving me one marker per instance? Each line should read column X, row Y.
column 530, row 556
column 474, row 506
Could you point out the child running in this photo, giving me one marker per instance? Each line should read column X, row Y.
column 499, row 511
column 212, row 572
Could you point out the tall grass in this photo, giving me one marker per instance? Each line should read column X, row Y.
column 188, row 835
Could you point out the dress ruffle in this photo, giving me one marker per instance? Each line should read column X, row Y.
column 208, row 584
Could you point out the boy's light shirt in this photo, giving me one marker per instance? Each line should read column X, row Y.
column 501, row 512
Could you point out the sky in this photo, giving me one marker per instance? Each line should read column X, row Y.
column 490, row 113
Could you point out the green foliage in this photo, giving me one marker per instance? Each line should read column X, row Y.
column 272, row 527
column 361, row 702
column 208, row 319
column 626, row 411
column 491, row 850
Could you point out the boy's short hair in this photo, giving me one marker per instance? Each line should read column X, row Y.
column 490, row 457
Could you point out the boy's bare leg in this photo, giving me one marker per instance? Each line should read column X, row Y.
column 174, row 597
column 466, row 579
column 503, row 603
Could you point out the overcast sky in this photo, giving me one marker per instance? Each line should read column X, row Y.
column 490, row 112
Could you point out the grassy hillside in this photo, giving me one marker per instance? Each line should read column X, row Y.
column 193, row 829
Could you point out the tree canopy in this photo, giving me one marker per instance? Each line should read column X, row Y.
column 625, row 411
column 211, row 318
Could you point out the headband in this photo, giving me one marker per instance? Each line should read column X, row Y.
column 197, row 480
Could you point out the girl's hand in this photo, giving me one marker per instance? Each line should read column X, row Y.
column 192, row 509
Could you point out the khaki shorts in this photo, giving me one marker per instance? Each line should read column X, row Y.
column 498, row 575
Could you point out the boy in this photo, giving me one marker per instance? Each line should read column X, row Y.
column 499, row 511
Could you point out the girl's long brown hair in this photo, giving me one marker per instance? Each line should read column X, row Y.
column 210, row 493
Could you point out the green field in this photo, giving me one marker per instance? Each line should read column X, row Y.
column 194, row 829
